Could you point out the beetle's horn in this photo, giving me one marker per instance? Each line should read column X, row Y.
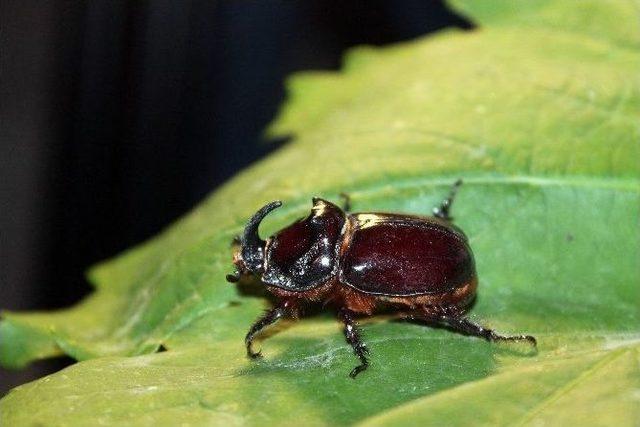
column 252, row 244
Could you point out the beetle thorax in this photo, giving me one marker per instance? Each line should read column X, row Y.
column 304, row 255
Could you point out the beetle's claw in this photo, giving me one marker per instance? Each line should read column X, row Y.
column 528, row 338
column 531, row 339
column 355, row 371
column 253, row 354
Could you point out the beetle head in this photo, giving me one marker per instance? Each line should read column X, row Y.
column 249, row 257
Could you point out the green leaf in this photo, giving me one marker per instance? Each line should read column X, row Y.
column 537, row 110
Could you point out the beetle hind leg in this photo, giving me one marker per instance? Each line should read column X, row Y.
column 467, row 327
column 442, row 211
column 353, row 337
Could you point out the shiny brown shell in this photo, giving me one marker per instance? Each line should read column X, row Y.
column 400, row 255
column 390, row 255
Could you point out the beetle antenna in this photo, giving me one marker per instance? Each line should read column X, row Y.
column 233, row 278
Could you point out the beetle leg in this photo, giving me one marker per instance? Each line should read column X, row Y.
column 352, row 335
column 442, row 211
column 466, row 326
column 269, row 318
column 346, row 202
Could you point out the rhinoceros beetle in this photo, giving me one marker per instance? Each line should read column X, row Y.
column 420, row 267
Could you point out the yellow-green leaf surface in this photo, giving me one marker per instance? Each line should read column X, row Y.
column 537, row 109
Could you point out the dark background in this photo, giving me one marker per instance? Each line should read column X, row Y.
column 119, row 116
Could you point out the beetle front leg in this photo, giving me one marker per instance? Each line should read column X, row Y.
column 442, row 211
column 269, row 318
column 466, row 326
column 352, row 335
